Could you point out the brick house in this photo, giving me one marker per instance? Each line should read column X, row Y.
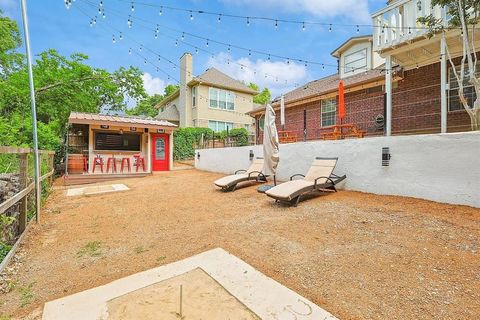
column 417, row 96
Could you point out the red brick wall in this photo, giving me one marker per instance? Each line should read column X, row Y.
column 416, row 108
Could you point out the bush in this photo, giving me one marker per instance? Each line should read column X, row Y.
column 185, row 141
column 240, row 135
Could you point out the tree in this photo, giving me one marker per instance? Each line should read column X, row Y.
column 263, row 97
column 62, row 84
column 146, row 107
column 464, row 15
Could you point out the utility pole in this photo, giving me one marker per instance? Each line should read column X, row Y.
column 38, row 191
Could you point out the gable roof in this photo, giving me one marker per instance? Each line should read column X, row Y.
column 324, row 86
column 219, row 79
column 344, row 46
column 96, row 118
column 170, row 114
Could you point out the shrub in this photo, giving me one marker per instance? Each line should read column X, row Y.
column 186, row 140
column 240, row 135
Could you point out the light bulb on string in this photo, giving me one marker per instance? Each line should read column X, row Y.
column 303, row 26
column 191, row 15
column 219, row 18
column 141, row 48
column 207, row 43
column 288, row 61
column 358, row 29
column 103, row 14
column 101, row 4
column 91, row 23
column 196, row 50
column 159, row 59
column 158, row 69
column 249, row 53
column 130, row 51
column 133, row 7
column 113, row 39
column 129, row 21
column 183, row 36
column 229, row 49
column 276, row 24
column 248, row 21
column 161, row 11
column 268, row 58
column 176, row 43
column 121, row 36
column 330, row 28
column 145, row 61
column 323, row 66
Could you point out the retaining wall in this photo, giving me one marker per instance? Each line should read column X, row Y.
column 439, row 167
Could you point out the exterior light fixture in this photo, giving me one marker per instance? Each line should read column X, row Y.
column 198, row 155
column 251, row 155
column 386, row 156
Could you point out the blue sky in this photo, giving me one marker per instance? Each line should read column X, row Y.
column 68, row 31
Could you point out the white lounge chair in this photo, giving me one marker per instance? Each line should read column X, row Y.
column 319, row 177
column 253, row 173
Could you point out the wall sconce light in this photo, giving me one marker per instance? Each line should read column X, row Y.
column 386, row 156
column 121, row 131
column 198, row 155
column 251, row 155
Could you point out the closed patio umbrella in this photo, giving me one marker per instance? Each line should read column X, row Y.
column 341, row 101
column 270, row 145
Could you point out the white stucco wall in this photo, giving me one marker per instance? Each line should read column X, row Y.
column 438, row 167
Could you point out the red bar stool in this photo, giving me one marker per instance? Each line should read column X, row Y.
column 139, row 160
column 113, row 161
column 125, row 161
column 85, row 165
column 97, row 161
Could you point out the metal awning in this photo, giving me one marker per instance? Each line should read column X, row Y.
column 126, row 121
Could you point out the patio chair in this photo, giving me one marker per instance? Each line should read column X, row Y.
column 320, row 177
column 253, row 173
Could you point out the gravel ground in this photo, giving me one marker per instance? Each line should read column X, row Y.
column 359, row 256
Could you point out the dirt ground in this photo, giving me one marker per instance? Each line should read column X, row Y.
column 359, row 256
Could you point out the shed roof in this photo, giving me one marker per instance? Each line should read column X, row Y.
column 96, row 118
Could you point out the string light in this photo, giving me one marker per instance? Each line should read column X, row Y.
column 196, row 50
column 130, row 51
column 276, row 24
column 358, row 29
column 133, row 7
column 129, row 21
column 303, row 26
column 176, row 43
column 191, row 15
column 113, row 39
column 161, row 11
column 121, row 36
column 330, row 28
column 219, row 18
column 248, row 21
column 141, row 47
column 207, row 43
column 183, row 36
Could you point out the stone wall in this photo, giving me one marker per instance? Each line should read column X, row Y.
column 9, row 186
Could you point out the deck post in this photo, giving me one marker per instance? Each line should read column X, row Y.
column 23, row 209
column 443, row 85
column 388, row 92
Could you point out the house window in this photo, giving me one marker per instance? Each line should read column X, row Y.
column 454, row 103
column 194, row 96
column 221, row 99
column 219, row 126
column 328, row 112
column 356, row 60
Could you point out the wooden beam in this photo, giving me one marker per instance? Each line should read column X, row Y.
column 14, row 150
column 4, row 206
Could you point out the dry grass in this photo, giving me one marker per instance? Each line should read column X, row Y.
column 359, row 256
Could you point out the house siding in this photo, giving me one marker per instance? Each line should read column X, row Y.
column 416, row 109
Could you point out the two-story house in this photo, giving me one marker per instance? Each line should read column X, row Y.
column 397, row 81
column 212, row 99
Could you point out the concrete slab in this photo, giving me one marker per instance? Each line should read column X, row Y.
column 263, row 296
column 92, row 190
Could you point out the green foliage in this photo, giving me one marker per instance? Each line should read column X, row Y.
column 62, row 84
column 26, row 294
column 240, row 135
column 146, row 107
column 185, row 141
column 263, row 97
column 91, row 249
column 4, row 250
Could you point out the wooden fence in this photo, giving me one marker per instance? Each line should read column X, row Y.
column 19, row 162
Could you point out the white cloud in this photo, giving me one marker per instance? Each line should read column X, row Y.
column 153, row 85
column 278, row 77
column 355, row 9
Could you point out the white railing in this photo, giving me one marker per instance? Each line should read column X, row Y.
column 398, row 22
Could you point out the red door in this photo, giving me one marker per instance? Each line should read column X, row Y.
column 160, row 152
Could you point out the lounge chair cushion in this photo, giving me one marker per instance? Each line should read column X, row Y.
column 232, row 179
column 285, row 191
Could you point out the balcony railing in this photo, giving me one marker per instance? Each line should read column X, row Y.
column 398, row 22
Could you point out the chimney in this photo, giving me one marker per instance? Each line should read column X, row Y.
column 186, row 68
